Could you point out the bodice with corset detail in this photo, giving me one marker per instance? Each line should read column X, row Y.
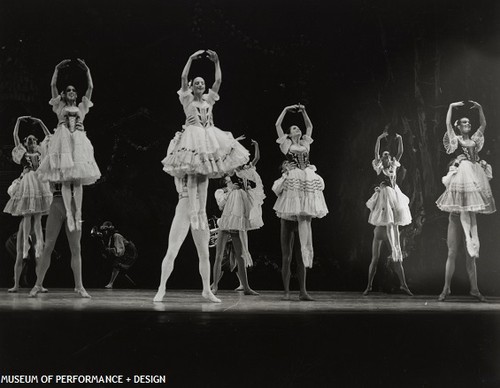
column 31, row 161
column 72, row 118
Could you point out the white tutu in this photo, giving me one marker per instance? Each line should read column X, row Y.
column 389, row 206
column 255, row 195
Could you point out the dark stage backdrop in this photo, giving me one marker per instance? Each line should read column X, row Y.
column 356, row 65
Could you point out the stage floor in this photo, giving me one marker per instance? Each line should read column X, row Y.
column 342, row 339
column 235, row 302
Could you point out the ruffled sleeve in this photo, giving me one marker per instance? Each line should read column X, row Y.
column 478, row 138
column 18, row 153
column 185, row 97
column 221, row 197
column 278, row 185
column 284, row 143
column 377, row 165
column 85, row 105
column 450, row 144
column 57, row 104
column 212, row 97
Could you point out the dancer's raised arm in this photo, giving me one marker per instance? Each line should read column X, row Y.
column 449, row 126
column 212, row 55
column 44, row 127
column 400, row 146
column 279, row 129
column 482, row 119
column 377, row 144
column 53, row 83
column 185, row 71
column 90, row 85
column 307, row 120
column 257, row 153
column 16, row 130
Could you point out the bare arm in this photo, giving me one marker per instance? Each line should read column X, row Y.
column 90, row 85
column 44, row 128
column 257, row 153
column 279, row 129
column 377, row 144
column 307, row 120
column 482, row 119
column 16, row 130
column 185, row 71
column 53, row 82
column 400, row 146
column 212, row 55
column 449, row 126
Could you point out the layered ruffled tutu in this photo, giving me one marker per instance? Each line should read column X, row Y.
column 69, row 157
column 235, row 213
column 255, row 195
column 389, row 206
column 302, row 195
column 205, row 151
column 467, row 189
column 28, row 195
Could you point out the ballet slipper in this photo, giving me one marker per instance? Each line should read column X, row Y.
column 367, row 291
column 159, row 296
column 249, row 291
column 70, row 221
column 34, row 291
column 480, row 297
column 13, row 289
column 43, row 290
column 239, row 288
column 81, row 291
column 108, row 286
column 305, row 297
column 210, row 296
column 406, row 290
column 443, row 295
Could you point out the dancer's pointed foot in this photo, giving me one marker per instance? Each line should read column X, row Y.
column 443, row 295
column 367, row 291
column 78, row 220
column 240, row 288
column 108, row 286
column 214, row 289
column 472, row 248
column 304, row 296
column 43, row 290
column 208, row 295
column 13, row 289
column 249, row 291
column 406, row 290
column 70, row 221
column 159, row 296
column 286, row 296
column 480, row 297
column 81, row 291
column 34, row 291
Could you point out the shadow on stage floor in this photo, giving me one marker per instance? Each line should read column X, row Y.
column 341, row 339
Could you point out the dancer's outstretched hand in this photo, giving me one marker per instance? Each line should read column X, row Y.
column 212, row 55
column 383, row 134
column 474, row 105
column 82, row 64
column 455, row 104
column 241, row 137
column 197, row 54
column 63, row 63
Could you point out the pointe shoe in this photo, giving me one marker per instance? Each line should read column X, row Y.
column 82, row 292
column 13, row 289
column 108, row 286
column 159, row 296
column 480, row 297
column 472, row 248
column 443, row 295
column 70, row 221
column 43, row 290
column 34, row 291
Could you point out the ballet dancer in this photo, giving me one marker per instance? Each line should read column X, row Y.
column 70, row 156
column 389, row 208
column 30, row 197
column 201, row 150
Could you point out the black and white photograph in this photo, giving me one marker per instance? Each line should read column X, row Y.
column 266, row 193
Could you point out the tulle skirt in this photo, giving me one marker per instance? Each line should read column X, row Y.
column 302, row 195
column 389, row 206
column 204, row 151
column 255, row 199
column 467, row 189
column 29, row 195
column 236, row 210
column 69, row 158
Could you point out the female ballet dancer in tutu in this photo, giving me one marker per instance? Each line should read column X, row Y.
column 70, row 156
column 389, row 208
column 302, row 196
column 30, row 197
column 178, row 232
column 252, row 197
column 201, row 150
column 467, row 192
